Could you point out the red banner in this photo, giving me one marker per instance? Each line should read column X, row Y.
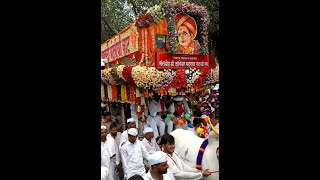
column 176, row 61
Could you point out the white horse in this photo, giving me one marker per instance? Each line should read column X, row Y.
column 187, row 145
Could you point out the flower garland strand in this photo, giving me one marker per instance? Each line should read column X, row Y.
column 111, row 77
column 168, row 77
column 114, row 92
column 142, row 45
column 210, row 78
column 192, row 75
column 216, row 74
column 109, row 88
column 146, row 77
column 103, row 96
column 119, row 72
column 127, row 74
column 146, row 46
column 124, row 93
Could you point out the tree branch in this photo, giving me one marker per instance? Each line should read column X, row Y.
column 134, row 8
column 109, row 26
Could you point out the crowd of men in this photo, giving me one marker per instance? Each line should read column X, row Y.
column 123, row 156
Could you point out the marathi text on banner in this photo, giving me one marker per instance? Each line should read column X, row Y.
column 120, row 45
column 164, row 61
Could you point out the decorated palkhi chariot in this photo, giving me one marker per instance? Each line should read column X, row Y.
column 164, row 51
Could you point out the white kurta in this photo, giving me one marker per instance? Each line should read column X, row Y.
column 155, row 107
column 134, row 115
column 105, row 175
column 185, row 105
column 117, row 139
column 181, row 170
column 132, row 156
column 167, row 176
column 105, row 155
column 151, row 147
column 115, row 156
column 124, row 137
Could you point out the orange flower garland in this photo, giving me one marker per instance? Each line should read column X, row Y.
column 114, row 92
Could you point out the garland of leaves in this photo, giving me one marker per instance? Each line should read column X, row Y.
column 158, row 12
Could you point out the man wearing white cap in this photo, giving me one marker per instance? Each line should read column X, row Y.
column 159, row 167
column 150, row 143
column 154, row 117
column 132, row 154
column 178, row 108
column 105, row 152
column 124, row 136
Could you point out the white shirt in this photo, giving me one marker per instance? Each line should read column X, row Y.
column 132, row 158
column 185, row 106
column 154, row 108
column 133, row 112
column 124, row 137
column 113, row 148
column 152, row 146
column 105, row 155
column 167, row 176
column 105, row 174
column 181, row 170
column 117, row 139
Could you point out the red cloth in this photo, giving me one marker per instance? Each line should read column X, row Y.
column 179, row 111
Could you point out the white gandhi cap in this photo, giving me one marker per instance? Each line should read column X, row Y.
column 148, row 129
column 133, row 131
column 130, row 120
column 157, row 157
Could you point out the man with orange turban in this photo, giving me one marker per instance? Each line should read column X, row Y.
column 187, row 31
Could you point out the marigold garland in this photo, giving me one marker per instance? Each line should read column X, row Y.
column 123, row 93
